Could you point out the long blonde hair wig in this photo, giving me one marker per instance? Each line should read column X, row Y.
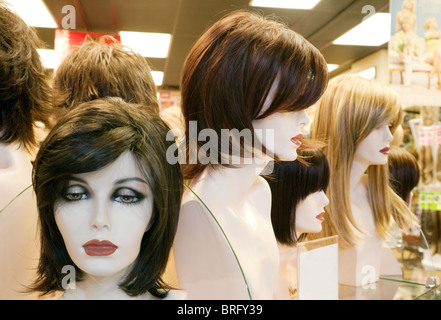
column 345, row 115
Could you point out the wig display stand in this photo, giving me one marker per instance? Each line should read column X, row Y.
column 318, row 269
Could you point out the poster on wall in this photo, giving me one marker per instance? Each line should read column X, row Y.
column 415, row 52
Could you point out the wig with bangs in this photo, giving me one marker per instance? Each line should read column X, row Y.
column 230, row 70
column 290, row 183
column 87, row 138
column 350, row 109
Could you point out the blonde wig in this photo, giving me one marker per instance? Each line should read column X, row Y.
column 345, row 115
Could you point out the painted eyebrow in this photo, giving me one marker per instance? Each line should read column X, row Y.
column 121, row 181
column 78, row 179
column 130, row 179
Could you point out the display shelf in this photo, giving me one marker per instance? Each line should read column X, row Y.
column 389, row 289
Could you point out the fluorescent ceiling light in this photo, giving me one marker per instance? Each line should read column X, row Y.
column 34, row 13
column 373, row 31
column 369, row 73
column 153, row 45
column 158, row 76
column 332, row 67
column 48, row 58
column 285, row 4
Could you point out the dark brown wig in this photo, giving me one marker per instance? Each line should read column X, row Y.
column 230, row 70
column 24, row 85
column 87, row 138
column 404, row 172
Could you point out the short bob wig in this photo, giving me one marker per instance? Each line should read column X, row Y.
column 290, row 183
column 24, row 86
column 230, row 70
column 404, row 172
column 89, row 137
column 101, row 68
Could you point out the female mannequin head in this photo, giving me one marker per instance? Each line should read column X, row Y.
column 354, row 115
column 243, row 69
column 104, row 68
column 298, row 195
column 102, row 155
column 25, row 90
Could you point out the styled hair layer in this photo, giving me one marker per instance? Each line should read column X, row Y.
column 24, row 85
column 230, row 70
column 87, row 138
column 102, row 68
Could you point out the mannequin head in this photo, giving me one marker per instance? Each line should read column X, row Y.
column 298, row 195
column 374, row 149
column 103, row 158
column 404, row 172
column 104, row 68
column 25, row 90
column 101, row 206
column 245, row 68
column 356, row 118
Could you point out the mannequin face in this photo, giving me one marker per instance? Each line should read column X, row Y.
column 281, row 133
column 373, row 150
column 103, row 216
column 310, row 213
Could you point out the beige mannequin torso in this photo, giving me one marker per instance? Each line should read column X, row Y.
column 205, row 264
column 18, row 224
column 360, row 264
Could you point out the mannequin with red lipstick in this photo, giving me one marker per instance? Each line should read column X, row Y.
column 356, row 117
column 246, row 74
column 108, row 203
column 297, row 209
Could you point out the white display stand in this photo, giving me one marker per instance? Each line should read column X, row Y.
column 309, row 271
column 318, row 269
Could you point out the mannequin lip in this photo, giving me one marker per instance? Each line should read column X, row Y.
column 296, row 139
column 96, row 247
column 321, row 216
column 385, row 150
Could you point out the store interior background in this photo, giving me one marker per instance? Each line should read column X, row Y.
column 183, row 21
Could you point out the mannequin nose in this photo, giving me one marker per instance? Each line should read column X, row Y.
column 100, row 217
column 390, row 136
column 304, row 118
column 324, row 198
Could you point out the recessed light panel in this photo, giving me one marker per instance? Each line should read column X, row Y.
column 153, row 45
column 373, row 31
column 33, row 12
column 285, row 4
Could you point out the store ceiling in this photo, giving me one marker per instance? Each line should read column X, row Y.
column 186, row 20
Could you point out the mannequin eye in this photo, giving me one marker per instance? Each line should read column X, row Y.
column 127, row 196
column 76, row 193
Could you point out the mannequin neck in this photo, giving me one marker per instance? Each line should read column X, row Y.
column 358, row 170
column 235, row 181
column 98, row 288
